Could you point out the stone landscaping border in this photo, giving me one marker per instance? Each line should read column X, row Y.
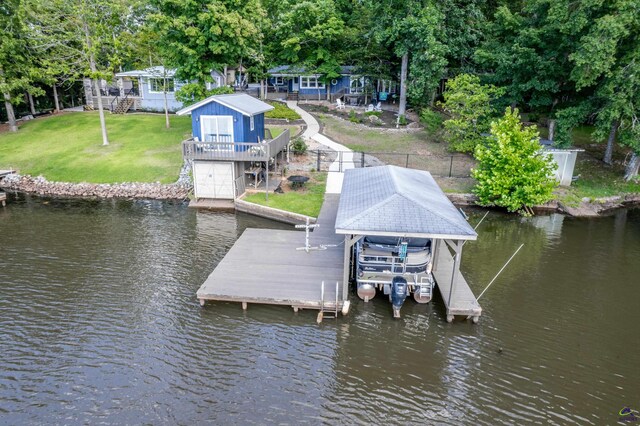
column 42, row 187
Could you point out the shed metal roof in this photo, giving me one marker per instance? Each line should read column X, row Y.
column 241, row 102
column 394, row 201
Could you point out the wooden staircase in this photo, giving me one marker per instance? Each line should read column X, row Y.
column 123, row 106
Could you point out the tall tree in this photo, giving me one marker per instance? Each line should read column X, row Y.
column 17, row 71
column 198, row 36
column 84, row 34
column 409, row 28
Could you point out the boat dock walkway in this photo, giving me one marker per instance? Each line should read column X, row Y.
column 462, row 301
column 264, row 267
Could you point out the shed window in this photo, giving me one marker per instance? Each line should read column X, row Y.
column 251, row 124
column 217, row 128
column 310, row 82
column 157, row 85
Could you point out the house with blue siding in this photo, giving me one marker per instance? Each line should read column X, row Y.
column 307, row 85
column 146, row 88
column 228, row 148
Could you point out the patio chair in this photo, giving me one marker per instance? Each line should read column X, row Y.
column 378, row 107
column 340, row 104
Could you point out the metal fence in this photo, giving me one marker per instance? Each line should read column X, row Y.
column 454, row 165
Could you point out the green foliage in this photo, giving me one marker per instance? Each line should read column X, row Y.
column 375, row 113
column 298, row 146
column 191, row 93
column 354, row 118
column 469, row 104
column 402, row 120
column 431, row 120
column 282, row 111
column 512, row 172
column 198, row 36
column 412, row 27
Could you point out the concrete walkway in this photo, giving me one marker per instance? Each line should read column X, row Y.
column 337, row 168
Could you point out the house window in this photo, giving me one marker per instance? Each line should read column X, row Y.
column 278, row 81
column 310, row 82
column 356, row 85
column 156, row 85
column 217, row 128
column 251, row 123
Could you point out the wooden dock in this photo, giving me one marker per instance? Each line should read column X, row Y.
column 265, row 267
column 462, row 301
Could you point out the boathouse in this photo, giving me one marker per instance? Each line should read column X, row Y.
column 229, row 148
column 391, row 201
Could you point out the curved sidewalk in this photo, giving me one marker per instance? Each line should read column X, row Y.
column 336, row 172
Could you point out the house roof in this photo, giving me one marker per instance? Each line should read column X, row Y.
column 293, row 70
column 393, row 201
column 241, row 102
column 158, row 71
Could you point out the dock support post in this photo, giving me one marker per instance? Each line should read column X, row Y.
column 201, row 302
column 457, row 247
column 295, row 309
column 349, row 241
column 244, row 306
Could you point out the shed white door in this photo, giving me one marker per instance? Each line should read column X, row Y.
column 213, row 180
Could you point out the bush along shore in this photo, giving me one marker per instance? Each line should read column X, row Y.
column 41, row 186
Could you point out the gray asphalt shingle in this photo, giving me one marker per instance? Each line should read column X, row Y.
column 397, row 200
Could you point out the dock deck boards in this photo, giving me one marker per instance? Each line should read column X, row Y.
column 463, row 302
column 264, row 267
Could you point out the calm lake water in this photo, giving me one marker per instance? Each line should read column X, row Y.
column 99, row 324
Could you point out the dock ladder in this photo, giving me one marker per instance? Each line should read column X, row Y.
column 327, row 311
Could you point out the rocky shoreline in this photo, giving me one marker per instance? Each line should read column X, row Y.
column 41, row 186
column 183, row 188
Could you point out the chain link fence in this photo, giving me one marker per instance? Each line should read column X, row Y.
column 455, row 165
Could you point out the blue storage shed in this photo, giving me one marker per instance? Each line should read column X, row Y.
column 228, row 118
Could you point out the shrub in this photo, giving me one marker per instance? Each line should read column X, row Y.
column 281, row 111
column 469, row 104
column 431, row 119
column 298, row 146
column 512, row 171
column 376, row 113
column 354, row 118
column 402, row 120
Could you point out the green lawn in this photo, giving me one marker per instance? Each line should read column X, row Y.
column 68, row 148
column 277, row 130
column 305, row 201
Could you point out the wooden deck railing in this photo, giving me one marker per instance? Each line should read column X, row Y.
column 235, row 151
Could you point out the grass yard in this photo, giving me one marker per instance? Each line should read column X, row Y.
column 276, row 130
column 68, row 148
column 307, row 200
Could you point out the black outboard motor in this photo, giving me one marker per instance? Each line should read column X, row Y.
column 398, row 294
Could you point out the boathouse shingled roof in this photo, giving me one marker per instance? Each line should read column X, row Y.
column 241, row 102
column 394, row 201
